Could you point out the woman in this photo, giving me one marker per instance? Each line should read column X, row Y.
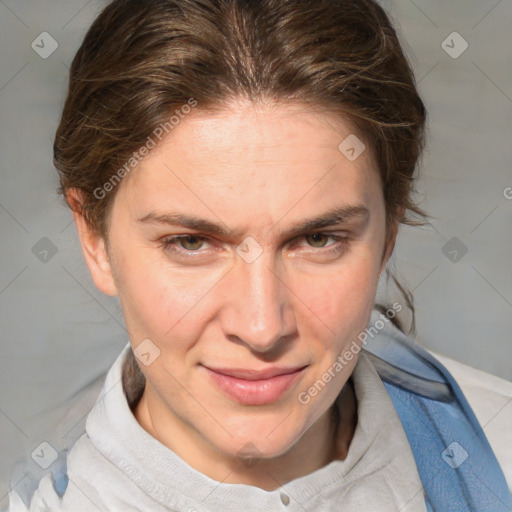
column 237, row 172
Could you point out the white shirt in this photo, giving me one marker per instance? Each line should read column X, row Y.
column 118, row 466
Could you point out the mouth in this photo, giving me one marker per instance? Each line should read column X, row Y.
column 253, row 387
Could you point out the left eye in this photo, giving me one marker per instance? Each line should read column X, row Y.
column 316, row 236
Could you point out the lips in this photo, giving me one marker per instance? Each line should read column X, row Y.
column 255, row 374
column 254, row 387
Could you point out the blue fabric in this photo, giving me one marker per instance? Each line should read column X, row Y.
column 59, row 473
column 456, row 464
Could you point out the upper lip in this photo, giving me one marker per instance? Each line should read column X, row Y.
column 252, row 374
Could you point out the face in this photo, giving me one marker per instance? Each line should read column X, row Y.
column 244, row 246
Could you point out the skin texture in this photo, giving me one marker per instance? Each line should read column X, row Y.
column 257, row 171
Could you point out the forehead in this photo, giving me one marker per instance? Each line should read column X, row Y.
column 264, row 130
column 262, row 157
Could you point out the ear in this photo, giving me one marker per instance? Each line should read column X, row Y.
column 391, row 239
column 94, row 247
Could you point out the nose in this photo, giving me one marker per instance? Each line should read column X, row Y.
column 260, row 312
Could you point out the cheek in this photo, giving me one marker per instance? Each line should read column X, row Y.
column 159, row 302
column 343, row 296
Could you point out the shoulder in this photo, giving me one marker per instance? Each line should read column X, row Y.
column 490, row 397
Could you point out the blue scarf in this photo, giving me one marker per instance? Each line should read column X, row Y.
column 456, row 464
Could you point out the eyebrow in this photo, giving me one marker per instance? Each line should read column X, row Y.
column 331, row 217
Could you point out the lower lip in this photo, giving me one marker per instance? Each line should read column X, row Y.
column 254, row 392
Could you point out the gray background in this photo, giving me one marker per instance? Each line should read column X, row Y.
column 59, row 333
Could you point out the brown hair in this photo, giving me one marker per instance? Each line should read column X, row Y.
column 143, row 59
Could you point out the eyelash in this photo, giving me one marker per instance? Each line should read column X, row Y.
column 170, row 244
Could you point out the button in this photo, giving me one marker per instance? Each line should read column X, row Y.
column 285, row 498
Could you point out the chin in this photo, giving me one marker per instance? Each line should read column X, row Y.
column 266, row 439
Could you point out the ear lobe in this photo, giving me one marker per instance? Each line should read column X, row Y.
column 94, row 247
